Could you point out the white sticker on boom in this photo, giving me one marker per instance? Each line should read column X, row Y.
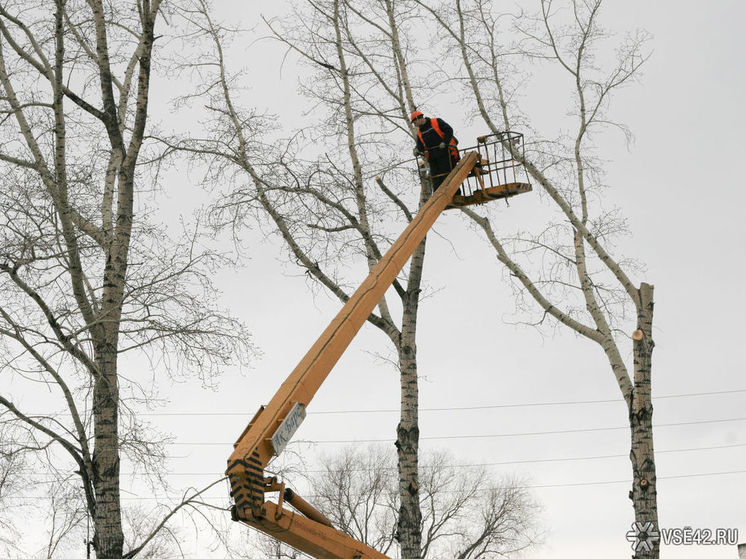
column 288, row 427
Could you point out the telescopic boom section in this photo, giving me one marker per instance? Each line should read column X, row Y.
column 273, row 425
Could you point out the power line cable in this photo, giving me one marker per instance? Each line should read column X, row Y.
column 537, row 486
column 484, row 464
column 532, row 404
column 486, row 436
column 465, row 408
column 590, row 483
column 436, row 409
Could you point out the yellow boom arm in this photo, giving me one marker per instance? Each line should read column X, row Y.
column 273, row 425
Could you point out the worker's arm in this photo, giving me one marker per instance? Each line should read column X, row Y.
column 419, row 148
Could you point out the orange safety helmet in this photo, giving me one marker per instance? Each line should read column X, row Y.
column 415, row 115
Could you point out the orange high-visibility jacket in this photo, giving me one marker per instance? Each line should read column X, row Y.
column 444, row 134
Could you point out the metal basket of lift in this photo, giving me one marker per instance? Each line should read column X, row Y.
column 498, row 174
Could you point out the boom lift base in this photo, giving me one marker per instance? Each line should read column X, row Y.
column 313, row 538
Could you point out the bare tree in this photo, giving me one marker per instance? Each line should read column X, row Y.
column 328, row 203
column 356, row 489
column 85, row 278
column 466, row 513
column 580, row 283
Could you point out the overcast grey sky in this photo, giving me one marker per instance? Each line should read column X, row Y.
column 680, row 185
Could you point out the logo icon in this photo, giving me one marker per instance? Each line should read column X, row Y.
column 643, row 536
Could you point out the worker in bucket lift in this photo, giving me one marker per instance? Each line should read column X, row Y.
column 435, row 141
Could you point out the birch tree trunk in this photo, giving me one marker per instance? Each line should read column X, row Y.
column 409, row 524
column 108, row 538
column 644, row 493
